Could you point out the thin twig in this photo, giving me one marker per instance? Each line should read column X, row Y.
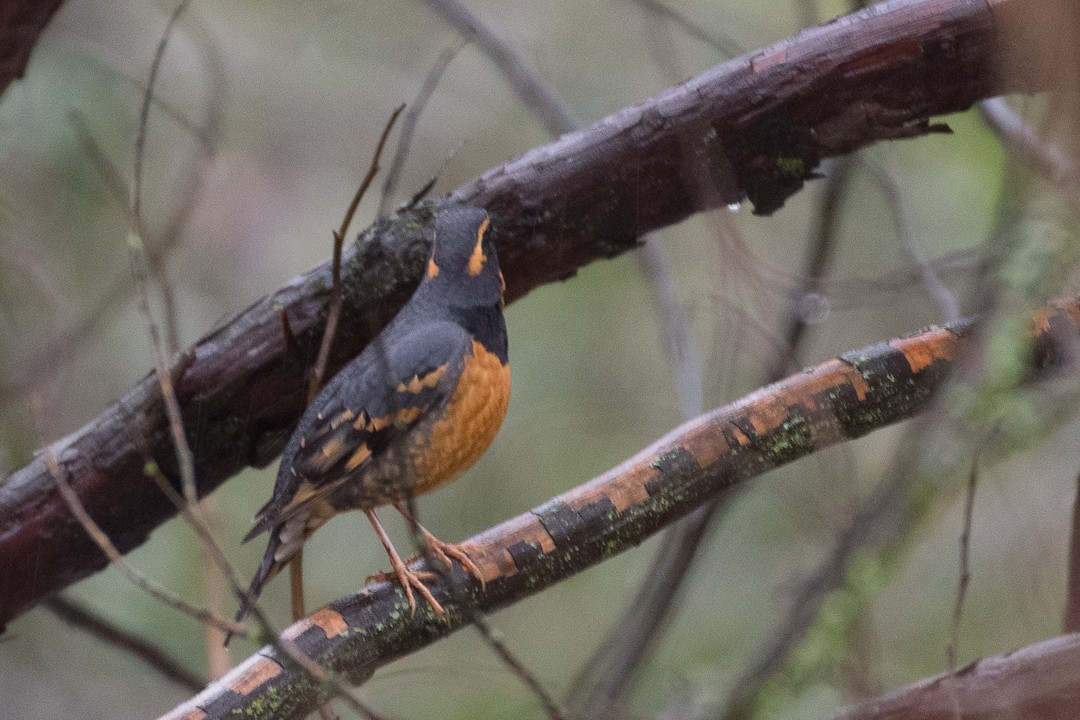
column 319, row 371
column 532, row 92
column 140, row 581
column 551, row 707
column 408, row 124
column 296, row 566
column 557, row 121
column 85, row 619
column 189, row 503
column 473, row 615
column 137, row 253
column 287, row 646
column 675, row 327
column 217, row 659
column 217, row 655
column 819, row 255
column 894, row 195
column 965, row 567
column 1023, row 143
column 600, row 686
column 726, row 46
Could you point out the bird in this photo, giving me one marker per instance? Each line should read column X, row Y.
column 414, row 410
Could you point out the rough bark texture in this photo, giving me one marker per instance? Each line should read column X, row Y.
column 840, row 399
column 755, row 128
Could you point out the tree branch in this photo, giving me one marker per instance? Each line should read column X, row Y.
column 839, row 400
column 1037, row 682
column 756, row 126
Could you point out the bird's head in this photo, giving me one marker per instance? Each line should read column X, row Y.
column 463, row 265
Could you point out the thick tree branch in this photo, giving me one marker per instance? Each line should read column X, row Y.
column 1038, row 682
column 755, row 127
column 838, row 400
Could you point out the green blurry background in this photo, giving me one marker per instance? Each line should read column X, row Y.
column 293, row 97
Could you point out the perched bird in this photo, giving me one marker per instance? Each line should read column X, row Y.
column 413, row 411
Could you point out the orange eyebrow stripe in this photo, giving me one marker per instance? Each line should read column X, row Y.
column 477, row 259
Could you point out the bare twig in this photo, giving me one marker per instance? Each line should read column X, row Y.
column 188, row 505
column 532, row 92
column 819, row 255
column 726, row 46
column 965, row 568
column 894, row 195
column 87, row 620
column 601, row 684
column 493, row 639
column 408, row 124
column 214, row 582
column 287, row 646
column 1023, row 143
column 137, row 252
column 128, row 571
column 319, row 371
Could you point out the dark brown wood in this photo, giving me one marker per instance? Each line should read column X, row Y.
column 1072, row 585
column 21, row 24
column 1038, row 682
column 841, row 399
column 755, row 128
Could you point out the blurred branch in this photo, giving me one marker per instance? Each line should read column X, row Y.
column 838, row 400
column 598, row 691
column 819, row 255
column 1037, row 682
column 408, row 124
column 723, row 44
column 1072, row 598
column 525, row 85
column 894, row 195
column 78, row 615
column 878, row 75
column 1023, row 143
column 21, row 24
column 953, row 646
column 108, row 549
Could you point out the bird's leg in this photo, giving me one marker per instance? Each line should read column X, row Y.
column 405, row 577
column 444, row 550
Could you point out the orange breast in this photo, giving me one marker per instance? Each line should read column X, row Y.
column 472, row 419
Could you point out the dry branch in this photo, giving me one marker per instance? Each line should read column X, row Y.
column 839, row 400
column 755, row 128
column 1038, row 682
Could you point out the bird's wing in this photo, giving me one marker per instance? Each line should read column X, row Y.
column 371, row 405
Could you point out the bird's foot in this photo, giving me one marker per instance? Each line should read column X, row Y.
column 444, row 551
column 409, row 579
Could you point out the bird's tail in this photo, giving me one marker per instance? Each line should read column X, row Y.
column 270, row 567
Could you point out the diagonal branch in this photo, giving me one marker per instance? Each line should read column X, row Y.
column 758, row 125
column 1038, row 682
column 839, row 400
